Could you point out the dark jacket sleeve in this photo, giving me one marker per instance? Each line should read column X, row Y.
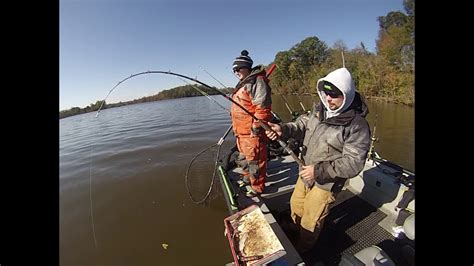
column 353, row 158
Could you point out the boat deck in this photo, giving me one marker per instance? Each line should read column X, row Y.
column 282, row 174
column 352, row 224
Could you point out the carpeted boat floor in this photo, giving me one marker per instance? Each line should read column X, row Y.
column 352, row 225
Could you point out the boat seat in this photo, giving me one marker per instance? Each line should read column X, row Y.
column 371, row 256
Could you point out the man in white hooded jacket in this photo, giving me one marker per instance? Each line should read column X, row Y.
column 336, row 139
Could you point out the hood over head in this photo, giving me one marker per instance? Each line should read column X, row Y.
column 342, row 79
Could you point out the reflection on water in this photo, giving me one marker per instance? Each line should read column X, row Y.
column 135, row 158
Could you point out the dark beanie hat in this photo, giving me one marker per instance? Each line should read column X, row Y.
column 243, row 61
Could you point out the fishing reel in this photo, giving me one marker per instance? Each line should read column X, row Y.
column 274, row 148
column 295, row 115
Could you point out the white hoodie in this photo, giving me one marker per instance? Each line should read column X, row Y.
column 342, row 79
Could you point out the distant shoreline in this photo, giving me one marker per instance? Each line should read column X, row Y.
column 88, row 109
column 174, row 93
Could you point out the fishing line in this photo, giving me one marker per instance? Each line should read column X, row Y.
column 218, row 144
column 205, row 94
column 91, row 149
column 187, row 175
column 90, row 197
column 224, row 86
column 205, row 151
column 263, row 124
column 153, row 72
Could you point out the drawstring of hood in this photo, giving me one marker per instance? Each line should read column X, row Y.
column 342, row 79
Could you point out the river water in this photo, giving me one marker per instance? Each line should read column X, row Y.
column 123, row 199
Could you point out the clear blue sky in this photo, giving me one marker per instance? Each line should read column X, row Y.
column 104, row 41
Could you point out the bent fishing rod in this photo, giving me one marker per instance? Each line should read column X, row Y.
column 167, row 73
column 262, row 123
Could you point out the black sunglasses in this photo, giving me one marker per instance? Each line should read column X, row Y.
column 237, row 69
column 332, row 92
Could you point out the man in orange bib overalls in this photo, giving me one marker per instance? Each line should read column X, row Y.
column 254, row 94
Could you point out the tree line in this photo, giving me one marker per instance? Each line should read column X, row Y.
column 177, row 92
column 387, row 74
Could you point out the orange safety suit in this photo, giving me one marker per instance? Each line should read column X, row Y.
column 254, row 94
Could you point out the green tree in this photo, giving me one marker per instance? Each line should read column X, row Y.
column 396, row 42
column 394, row 18
column 309, row 52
